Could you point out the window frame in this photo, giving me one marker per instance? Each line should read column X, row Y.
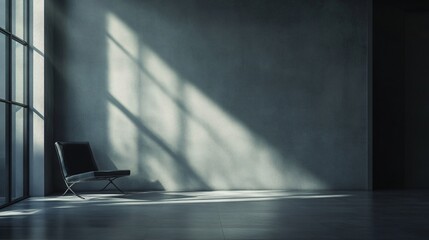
column 9, row 103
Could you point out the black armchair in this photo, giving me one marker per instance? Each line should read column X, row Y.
column 78, row 165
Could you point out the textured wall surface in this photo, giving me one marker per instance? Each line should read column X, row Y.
column 39, row 178
column 216, row 94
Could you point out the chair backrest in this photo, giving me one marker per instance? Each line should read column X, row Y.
column 75, row 158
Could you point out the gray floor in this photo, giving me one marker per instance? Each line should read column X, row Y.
column 221, row 215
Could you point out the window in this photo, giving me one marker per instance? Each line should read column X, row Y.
column 18, row 18
column 2, row 66
column 13, row 100
column 18, row 71
column 17, row 153
column 3, row 14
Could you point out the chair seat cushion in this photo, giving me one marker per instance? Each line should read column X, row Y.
column 97, row 175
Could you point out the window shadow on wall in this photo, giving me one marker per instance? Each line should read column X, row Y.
column 224, row 95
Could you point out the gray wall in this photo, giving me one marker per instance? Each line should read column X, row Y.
column 216, row 94
column 39, row 178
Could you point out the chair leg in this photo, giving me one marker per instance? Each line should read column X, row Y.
column 117, row 187
column 68, row 188
column 106, row 185
column 111, row 182
column 71, row 190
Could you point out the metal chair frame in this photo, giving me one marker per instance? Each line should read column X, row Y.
column 70, row 185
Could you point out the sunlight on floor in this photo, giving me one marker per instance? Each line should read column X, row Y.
column 153, row 198
column 22, row 212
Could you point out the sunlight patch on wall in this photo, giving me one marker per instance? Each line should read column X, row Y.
column 217, row 147
column 166, row 78
column 122, row 148
column 129, row 146
column 122, row 78
column 123, row 34
column 173, row 132
column 231, row 156
column 37, row 99
column 123, row 75
column 159, row 109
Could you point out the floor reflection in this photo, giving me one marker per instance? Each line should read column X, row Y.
column 220, row 215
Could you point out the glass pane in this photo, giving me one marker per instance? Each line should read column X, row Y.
column 18, row 70
column 3, row 175
column 2, row 66
column 18, row 19
column 17, row 152
column 38, row 24
column 3, row 14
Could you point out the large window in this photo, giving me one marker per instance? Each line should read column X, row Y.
column 13, row 100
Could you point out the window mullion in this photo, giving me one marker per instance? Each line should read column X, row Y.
column 8, row 97
column 27, row 100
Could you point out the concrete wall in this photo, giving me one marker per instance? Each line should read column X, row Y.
column 216, row 94
column 38, row 177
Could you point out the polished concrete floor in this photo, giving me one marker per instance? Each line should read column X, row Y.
column 221, row 215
